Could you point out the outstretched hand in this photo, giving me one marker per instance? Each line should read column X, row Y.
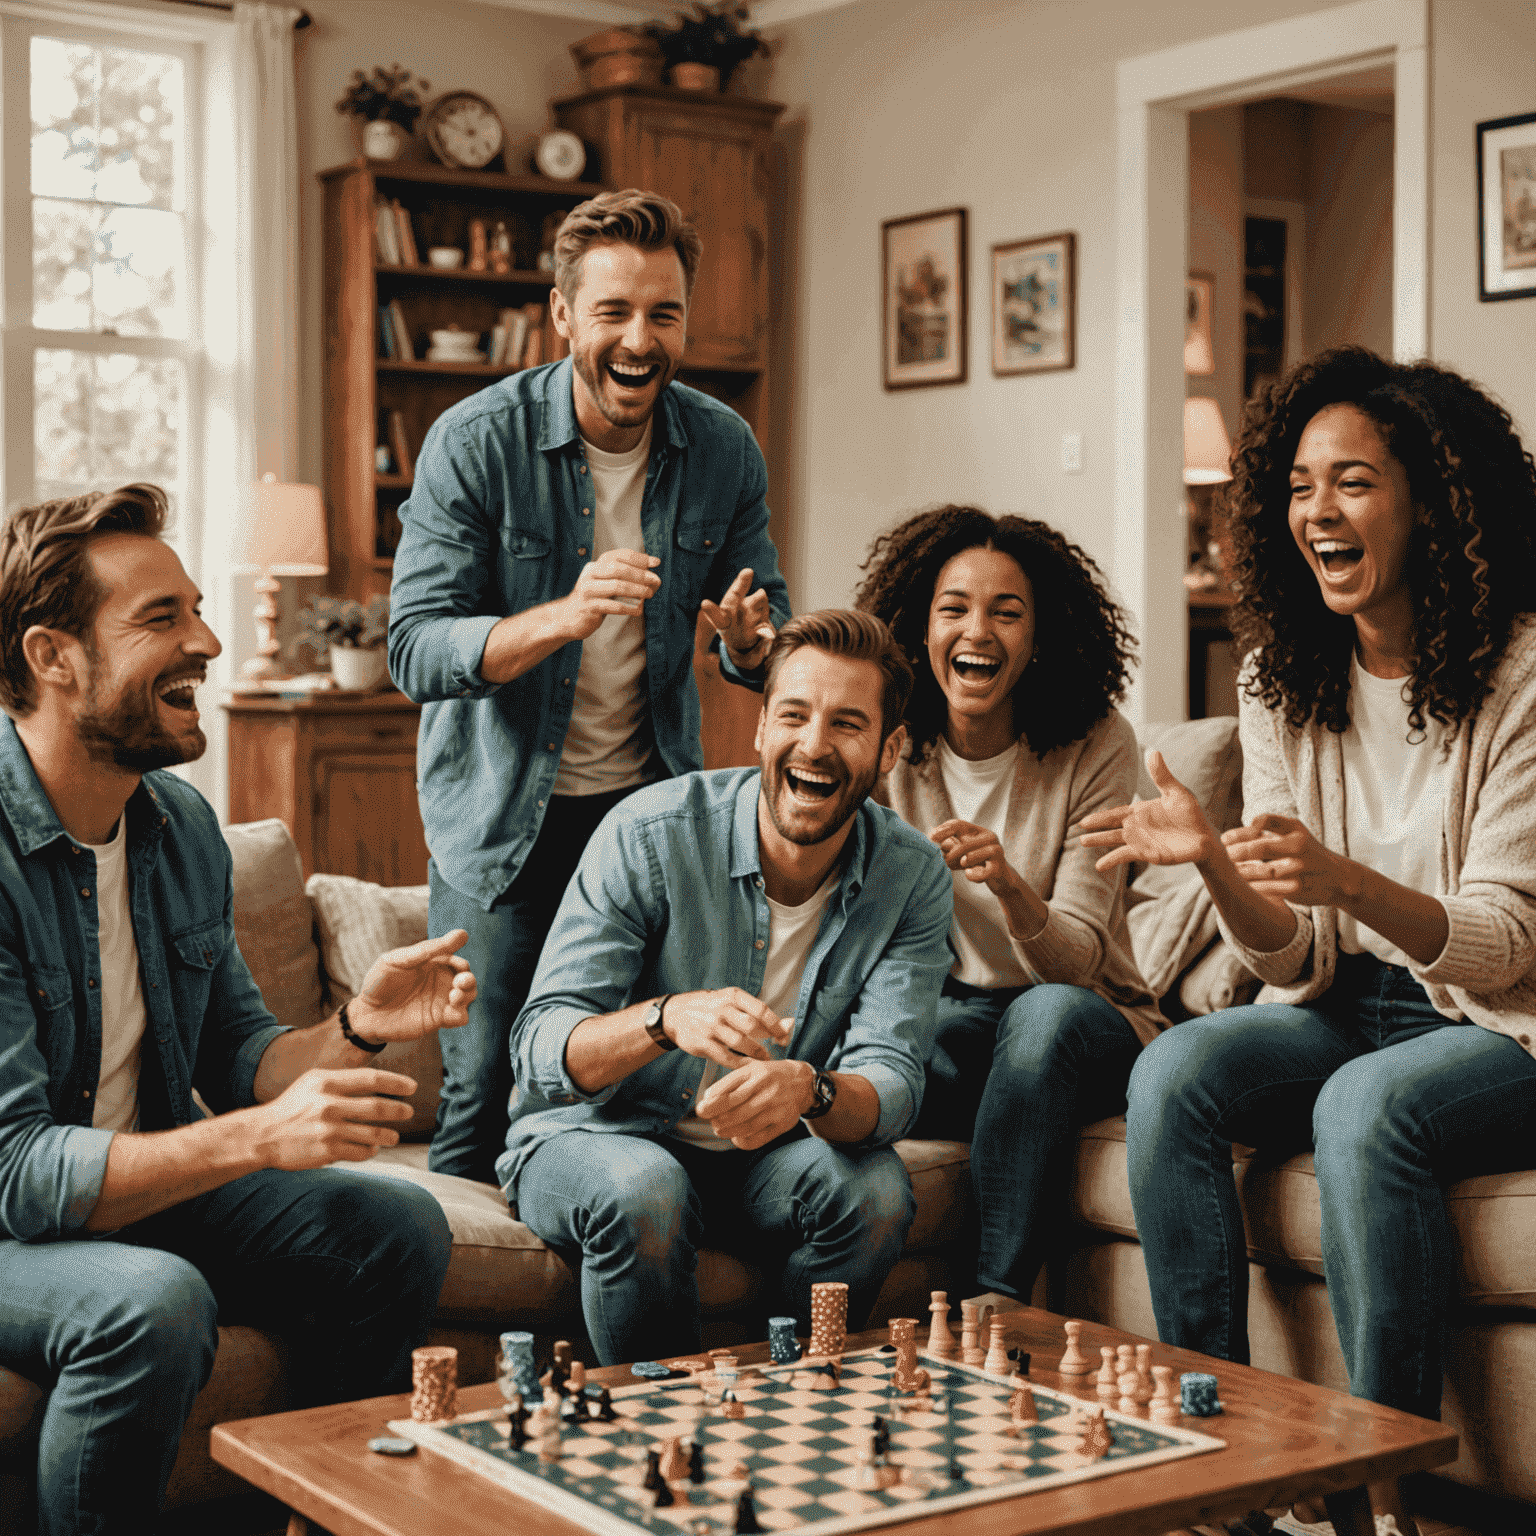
column 742, row 621
column 1173, row 829
column 410, row 992
column 1278, row 856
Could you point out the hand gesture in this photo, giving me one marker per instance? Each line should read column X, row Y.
column 410, row 992
column 741, row 620
column 1277, row 856
column 758, row 1101
column 616, row 582
column 976, row 853
column 726, row 1026
column 1173, row 829
column 326, row 1117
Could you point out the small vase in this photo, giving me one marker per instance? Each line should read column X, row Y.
column 356, row 669
column 382, row 139
column 696, row 77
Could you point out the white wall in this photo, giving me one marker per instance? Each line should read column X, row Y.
column 1216, row 246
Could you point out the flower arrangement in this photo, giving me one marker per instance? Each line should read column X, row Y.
column 344, row 622
column 390, row 95
column 713, row 32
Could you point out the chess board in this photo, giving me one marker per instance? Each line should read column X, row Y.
column 801, row 1449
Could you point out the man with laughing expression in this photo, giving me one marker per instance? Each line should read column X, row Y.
column 130, row 1225
column 565, row 529
column 729, row 1021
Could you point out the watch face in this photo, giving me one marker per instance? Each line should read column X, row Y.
column 465, row 131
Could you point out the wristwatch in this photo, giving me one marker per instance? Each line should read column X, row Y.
column 825, row 1092
column 652, row 1022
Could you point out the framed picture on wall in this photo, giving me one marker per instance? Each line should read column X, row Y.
column 923, row 299
column 1034, row 305
column 1199, row 299
column 1506, row 200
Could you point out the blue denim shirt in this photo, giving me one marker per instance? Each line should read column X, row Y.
column 668, row 897
column 206, row 1025
column 498, row 519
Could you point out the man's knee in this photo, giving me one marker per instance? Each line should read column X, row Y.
column 160, row 1317
column 872, row 1191
column 645, row 1204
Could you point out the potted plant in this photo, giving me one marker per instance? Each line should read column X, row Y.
column 352, row 634
column 385, row 104
column 617, row 56
column 704, row 45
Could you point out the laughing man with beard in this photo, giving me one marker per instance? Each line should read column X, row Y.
column 565, row 529
column 728, row 1024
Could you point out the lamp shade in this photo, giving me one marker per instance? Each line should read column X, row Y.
column 284, row 530
column 1207, row 448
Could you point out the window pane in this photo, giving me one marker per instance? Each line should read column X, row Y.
column 103, row 421
column 96, row 267
column 66, row 89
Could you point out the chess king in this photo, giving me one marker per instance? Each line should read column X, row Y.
column 728, row 1023
column 565, row 530
column 130, row 1225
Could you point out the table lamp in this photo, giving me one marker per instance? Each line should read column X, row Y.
column 283, row 535
column 1207, row 463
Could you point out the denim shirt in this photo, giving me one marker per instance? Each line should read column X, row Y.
column 206, row 1025
column 500, row 520
column 668, row 898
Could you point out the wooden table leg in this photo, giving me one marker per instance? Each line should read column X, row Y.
column 1350, row 1512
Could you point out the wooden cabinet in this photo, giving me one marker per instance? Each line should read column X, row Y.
column 340, row 770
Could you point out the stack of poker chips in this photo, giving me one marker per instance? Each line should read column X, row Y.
column 1197, row 1395
column 517, row 1353
column 783, row 1346
column 829, row 1317
column 434, row 1383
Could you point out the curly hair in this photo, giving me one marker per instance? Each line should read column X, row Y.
column 1083, row 643
column 1470, row 558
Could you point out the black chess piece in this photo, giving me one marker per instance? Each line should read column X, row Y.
column 556, row 1376
column 606, row 1412
column 664, row 1499
column 652, row 1479
column 573, row 1409
column 695, row 1462
column 517, row 1436
column 1020, row 1358
column 882, row 1439
column 746, row 1514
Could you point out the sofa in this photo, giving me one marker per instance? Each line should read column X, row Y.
column 309, row 947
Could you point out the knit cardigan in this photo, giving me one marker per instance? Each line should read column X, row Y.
column 1487, row 876
column 1085, row 942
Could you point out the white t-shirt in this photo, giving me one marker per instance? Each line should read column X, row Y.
column 122, row 993
column 978, row 791
column 1394, row 793
column 608, row 742
column 791, row 933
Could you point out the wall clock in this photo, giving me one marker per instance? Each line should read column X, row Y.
column 463, row 130
column 560, row 155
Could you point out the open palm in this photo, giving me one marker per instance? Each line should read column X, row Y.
column 1172, row 829
column 412, row 991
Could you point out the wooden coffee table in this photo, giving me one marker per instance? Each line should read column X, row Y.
column 1286, row 1441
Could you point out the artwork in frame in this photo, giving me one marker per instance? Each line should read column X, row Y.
column 1506, row 200
column 1199, row 298
column 923, row 299
column 1034, row 305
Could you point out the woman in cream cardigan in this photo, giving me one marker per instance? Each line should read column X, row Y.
column 1020, row 657
column 1384, row 886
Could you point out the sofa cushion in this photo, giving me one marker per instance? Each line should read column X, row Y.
column 1493, row 1216
column 1205, row 757
column 274, row 926
column 357, row 921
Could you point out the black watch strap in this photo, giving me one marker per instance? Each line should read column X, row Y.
column 373, row 1047
column 826, row 1093
column 652, row 1021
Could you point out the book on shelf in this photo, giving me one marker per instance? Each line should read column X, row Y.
column 515, row 325
column 405, row 349
column 498, row 346
column 386, row 339
column 407, row 236
column 386, row 233
column 404, row 464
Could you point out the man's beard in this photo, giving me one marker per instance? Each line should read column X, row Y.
column 844, row 802
column 130, row 735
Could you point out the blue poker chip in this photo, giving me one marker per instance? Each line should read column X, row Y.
column 392, row 1445
column 651, row 1370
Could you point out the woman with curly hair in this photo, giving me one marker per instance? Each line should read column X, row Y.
column 1020, row 657
column 1385, row 883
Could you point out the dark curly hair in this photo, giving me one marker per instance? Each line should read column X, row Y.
column 1083, row 645
column 1470, row 559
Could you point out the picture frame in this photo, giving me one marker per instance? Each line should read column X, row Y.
column 1506, row 202
column 923, row 299
column 1199, row 342
column 1034, row 305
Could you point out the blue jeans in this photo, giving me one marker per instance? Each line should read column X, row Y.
column 502, row 951
column 633, row 1212
column 1015, row 1073
column 122, row 1330
column 1395, row 1099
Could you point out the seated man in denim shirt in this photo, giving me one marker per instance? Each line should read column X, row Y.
column 728, row 1023
column 130, row 1225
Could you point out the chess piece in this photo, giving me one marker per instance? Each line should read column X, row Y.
column 941, row 1341
column 1125, row 1376
column 1074, row 1362
column 996, row 1363
column 517, row 1419
column 871, row 1472
column 1144, row 1388
column 606, row 1412
column 578, row 1377
column 732, row 1406
column 549, row 1439
column 882, row 1436
column 1020, row 1358
column 663, row 1499
column 974, row 1316
column 673, row 1465
column 1164, row 1406
column 695, row 1462
column 1096, row 1440
column 1108, row 1383
column 652, row 1479
column 829, row 1317
column 434, row 1383
column 1021, row 1405
column 746, row 1514
column 906, row 1376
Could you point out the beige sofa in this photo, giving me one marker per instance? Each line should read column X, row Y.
column 309, row 947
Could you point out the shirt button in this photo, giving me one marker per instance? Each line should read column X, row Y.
column 85, row 1093
column 74, row 850
column 91, row 983
column 549, row 746
column 582, row 550
column 709, row 543
column 85, row 891
column 565, row 682
column 541, row 805
column 582, row 470
column 586, row 511
column 757, row 944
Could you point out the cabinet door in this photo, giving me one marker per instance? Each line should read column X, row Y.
column 715, row 170
column 366, row 820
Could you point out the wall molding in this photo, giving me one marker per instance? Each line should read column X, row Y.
column 765, row 13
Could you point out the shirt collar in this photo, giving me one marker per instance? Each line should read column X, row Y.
column 746, row 856
column 559, row 428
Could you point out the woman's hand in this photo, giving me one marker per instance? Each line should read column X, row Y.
column 977, row 854
column 1173, row 829
column 1277, row 856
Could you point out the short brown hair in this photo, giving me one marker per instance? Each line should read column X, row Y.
column 47, row 579
column 646, row 220
column 857, row 636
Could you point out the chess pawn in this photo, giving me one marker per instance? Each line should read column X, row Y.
column 975, row 1316
column 1127, row 1386
column 1144, row 1387
column 1165, row 1402
column 1108, row 1384
column 941, row 1341
column 673, row 1465
column 997, row 1362
column 577, row 1379
column 1074, row 1362
column 1021, row 1406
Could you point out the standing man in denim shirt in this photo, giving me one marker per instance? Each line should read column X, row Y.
column 130, row 1225
column 565, row 529
column 730, row 1018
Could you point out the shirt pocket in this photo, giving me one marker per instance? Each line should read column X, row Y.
column 194, row 955
column 528, row 567
column 53, row 995
column 698, row 544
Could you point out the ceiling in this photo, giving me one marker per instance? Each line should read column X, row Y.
column 1366, row 90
